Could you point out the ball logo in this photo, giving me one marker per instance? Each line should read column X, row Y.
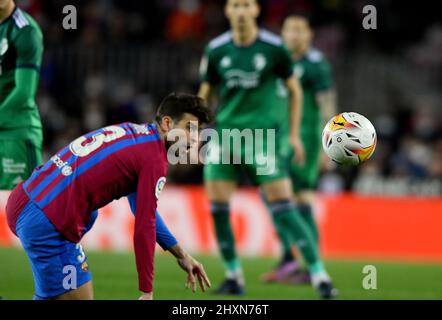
column 159, row 187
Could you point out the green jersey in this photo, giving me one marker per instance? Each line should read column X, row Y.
column 21, row 48
column 249, row 81
column 313, row 72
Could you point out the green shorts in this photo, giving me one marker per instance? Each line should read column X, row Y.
column 306, row 177
column 18, row 158
column 262, row 159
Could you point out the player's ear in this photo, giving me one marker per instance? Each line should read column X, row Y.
column 226, row 9
column 257, row 10
column 166, row 123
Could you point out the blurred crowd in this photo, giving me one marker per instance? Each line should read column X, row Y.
column 127, row 54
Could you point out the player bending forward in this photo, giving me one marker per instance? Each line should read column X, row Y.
column 52, row 210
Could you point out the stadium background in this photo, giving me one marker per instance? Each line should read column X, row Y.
column 126, row 55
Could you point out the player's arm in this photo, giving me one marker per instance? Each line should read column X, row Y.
column 295, row 92
column 209, row 76
column 327, row 102
column 326, row 98
column 169, row 243
column 325, row 93
column 164, row 237
column 29, row 48
column 284, row 69
column 145, row 230
column 194, row 269
column 205, row 91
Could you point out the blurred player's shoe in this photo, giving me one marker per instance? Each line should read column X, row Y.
column 230, row 287
column 300, row 276
column 287, row 272
column 322, row 283
column 326, row 290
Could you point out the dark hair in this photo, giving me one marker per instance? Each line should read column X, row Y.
column 175, row 105
column 301, row 15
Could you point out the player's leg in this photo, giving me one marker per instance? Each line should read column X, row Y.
column 84, row 292
column 219, row 193
column 58, row 265
column 278, row 193
column 287, row 266
column 305, row 180
column 305, row 199
column 220, row 182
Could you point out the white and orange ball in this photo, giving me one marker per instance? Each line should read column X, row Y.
column 349, row 138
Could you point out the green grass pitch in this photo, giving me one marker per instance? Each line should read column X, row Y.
column 115, row 277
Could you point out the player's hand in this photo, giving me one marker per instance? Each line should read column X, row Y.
column 146, row 296
column 195, row 270
column 298, row 148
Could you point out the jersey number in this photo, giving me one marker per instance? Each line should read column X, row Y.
column 109, row 134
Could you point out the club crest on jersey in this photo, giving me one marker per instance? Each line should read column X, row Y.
column 159, row 186
column 298, row 71
column 3, row 46
column 226, row 62
column 259, row 61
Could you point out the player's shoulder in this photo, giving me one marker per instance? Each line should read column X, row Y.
column 20, row 19
column 220, row 41
column 270, row 38
column 315, row 56
column 25, row 24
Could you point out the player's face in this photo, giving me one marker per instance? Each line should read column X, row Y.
column 185, row 132
column 242, row 14
column 5, row 3
column 297, row 34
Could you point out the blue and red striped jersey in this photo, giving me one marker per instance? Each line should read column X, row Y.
column 98, row 168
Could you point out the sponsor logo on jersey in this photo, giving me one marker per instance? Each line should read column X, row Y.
column 159, row 186
column 239, row 78
column 65, row 168
column 11, row 167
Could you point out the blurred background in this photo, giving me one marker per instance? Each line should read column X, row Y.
column 127, row 54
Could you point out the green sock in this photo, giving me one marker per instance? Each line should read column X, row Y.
column 297, row 229
column 307, row 215
column 224, row 235
column 284, row 238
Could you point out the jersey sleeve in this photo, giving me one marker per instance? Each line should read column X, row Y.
column 322, row 78
column 283, row 63
column 144, row 233
column 165, row 238
column 208, row 72
column 29, row 47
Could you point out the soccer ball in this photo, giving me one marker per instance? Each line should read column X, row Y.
column 349, row 138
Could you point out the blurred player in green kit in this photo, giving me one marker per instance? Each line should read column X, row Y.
column 250, row 69
column 319, row 105
column 21, row 49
